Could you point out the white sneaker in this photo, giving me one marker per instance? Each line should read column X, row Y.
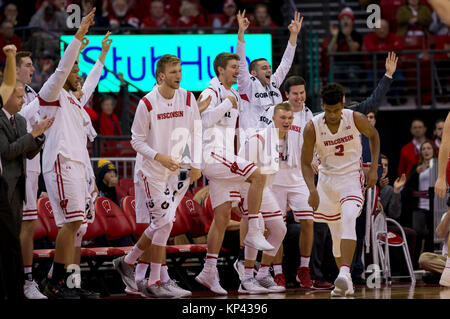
column 251, row 286
column 445, row 277
column 132, row 291
column 156, row 290
column 209, row 277
column 173, row 287
column 256, row 240
column 343, row 286
column 31, row 290
column 270, row 284
column 240, row 268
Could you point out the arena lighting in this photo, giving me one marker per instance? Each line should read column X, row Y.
column 135, row 56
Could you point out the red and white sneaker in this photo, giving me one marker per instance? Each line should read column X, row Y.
column 304, row 278
column 280, row 280
column 322, row 285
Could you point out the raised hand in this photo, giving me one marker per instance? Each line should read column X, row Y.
column 106, row 44
column 399, row 183
column 10, row 50
column 84, row 43
column 243, row 22
column 296, row 24
column 86, row 22
column 391, row 63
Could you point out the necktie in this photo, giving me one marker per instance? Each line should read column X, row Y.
column 13, row 123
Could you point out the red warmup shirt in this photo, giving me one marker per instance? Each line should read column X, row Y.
column 3, row 42
column 109, row 125
column 408, row 157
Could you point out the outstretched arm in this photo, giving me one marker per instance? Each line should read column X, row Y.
column 244, row 82
column 371, row 132
column 440, row 188
column 309, row 140
column 288, row 56
column 9, row 80
column 374, row 100
column 52, row 87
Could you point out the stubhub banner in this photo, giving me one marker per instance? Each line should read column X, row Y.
column 135, row 56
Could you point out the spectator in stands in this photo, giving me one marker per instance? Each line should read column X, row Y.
column 413, row 18
column 390, row 202
column 10, row 13
column 48, row 18
column 190, row 17
column 122, row 16
column 109, row 123
column 346, row 39
column 437, row 134
column 7, row 36
column 158, row 18
column 226, row 21
column 107, row 180
column 101, row 18
column 416, row 201
column 384, row 40
column 44, row 67
column 410, row 153
column 261, row 19
column 435, row 263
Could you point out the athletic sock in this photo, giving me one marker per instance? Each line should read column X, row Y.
column 248, row 273
column 345, row 270
column 28, row 272
column 155, row 273
column 277, row 269
column 304, row 261
column 165, row 273
column 141, row 270
column 263, row 271
column 211, row 260
column 133, row 255
column 253, row 223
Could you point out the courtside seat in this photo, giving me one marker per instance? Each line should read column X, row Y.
column 40, row 231
column 43, row 253
column 194, row 217
column 129, row 208
column 115, row 222
column 126, row 183
column 45, row 214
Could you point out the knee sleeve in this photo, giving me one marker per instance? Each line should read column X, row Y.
column 250, row 253
column 277, row 231
column 161, row 235
column 350, row 212
column 336, row 233
column 79, row 235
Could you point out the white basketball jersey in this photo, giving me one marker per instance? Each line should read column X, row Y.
column 339, row 153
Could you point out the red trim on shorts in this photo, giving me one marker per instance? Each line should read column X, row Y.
column 351, row 197
column 251, row 216
column 227, row 163
column 59, row 182
column 29, row 210
column 327, row 217
column 43, row 102
column 147, row 189
column 271, row 215
column 147, row 103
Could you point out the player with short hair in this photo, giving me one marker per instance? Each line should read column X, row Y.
column 338, row 198
column 63, row 159
column 166, row 118
column 226, row 171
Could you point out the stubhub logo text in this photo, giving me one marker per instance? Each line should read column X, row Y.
column 135, row 56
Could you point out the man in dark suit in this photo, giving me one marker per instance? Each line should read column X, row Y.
column 16, row 145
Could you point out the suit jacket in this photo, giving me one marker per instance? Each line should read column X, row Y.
column 374, row 100
column 14, row 150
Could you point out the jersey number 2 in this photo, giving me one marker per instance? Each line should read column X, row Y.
column 339, row 150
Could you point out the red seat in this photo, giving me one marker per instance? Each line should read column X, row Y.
column 196, row 219
column 40, row 231
column 125, row 184
column 129, row 208
column 180, row 226
column 393, row 239
column 95, row 229
column 45, row 213
column 116, row 223
column 43, row 253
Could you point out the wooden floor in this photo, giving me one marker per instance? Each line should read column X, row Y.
column 393, row 291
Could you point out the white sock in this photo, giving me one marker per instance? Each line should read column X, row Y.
column 211, row 260
column 277, row 269
column 141, row 270
column 253, row 222
column 248, row 274
column 50, row 272
column 165, row 273
column 133, row 255
column 155, row 273
column 344, row 270
column 262, row 272
column 304, row 261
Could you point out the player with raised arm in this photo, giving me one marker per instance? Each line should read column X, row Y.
column 63, row 159
column 338, row 198
column 226, row 171
column 167, row 120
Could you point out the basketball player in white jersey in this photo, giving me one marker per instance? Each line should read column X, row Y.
column 257, row 86
column 289, row 186
column 338, row 198
column 264, row 148
column 63, row 159
column 441, row 187
column 167, row 120
column 24, row 74
column 226, row 171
